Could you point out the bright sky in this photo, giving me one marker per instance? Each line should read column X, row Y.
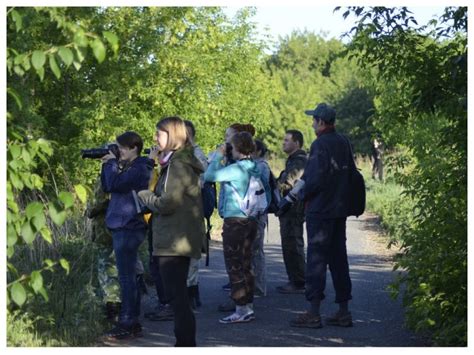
column 281, row 20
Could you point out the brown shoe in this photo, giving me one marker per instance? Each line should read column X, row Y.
column 290, row 288
column 307, row 320
column 340, row 319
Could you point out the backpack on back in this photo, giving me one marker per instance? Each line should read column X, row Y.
column 254, row 202
column 274, row 195
column 209, row 203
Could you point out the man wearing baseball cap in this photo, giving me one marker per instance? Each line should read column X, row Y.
column 326, row 186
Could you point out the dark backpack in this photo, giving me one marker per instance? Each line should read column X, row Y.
column 209, row 203
column 275, row 195
column 356, row 195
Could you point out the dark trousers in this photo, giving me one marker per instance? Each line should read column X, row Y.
column 238, row 235
column 174, row 273
column 155, row 268
column 126, row 243
column 327, row 246
column 155, row 274
column 292, row 246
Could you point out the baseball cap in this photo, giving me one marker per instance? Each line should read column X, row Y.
column 324, row 112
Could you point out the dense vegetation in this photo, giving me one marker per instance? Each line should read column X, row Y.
column 77, row 77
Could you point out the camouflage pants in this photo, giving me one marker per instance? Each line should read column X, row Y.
column 238, row 235
column 107, row 274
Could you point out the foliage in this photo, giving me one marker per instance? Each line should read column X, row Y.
column 31, row 213
column 421, row 107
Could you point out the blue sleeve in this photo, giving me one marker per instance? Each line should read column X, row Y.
column 216, row 172
column 315, row 170
column 134, row 178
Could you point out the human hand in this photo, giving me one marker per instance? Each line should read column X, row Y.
column 154, row 151
column 108, row 156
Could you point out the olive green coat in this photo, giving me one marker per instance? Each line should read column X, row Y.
column 176, row 205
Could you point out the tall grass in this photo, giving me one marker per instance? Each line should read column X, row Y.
column 387, row 200
column 73, row 315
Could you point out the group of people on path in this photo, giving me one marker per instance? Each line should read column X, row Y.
column 160, row 197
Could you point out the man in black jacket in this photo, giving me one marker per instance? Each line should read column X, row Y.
column 291, row 222
column 326, row 187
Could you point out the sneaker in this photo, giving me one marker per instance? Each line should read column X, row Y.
column 307, row 320
column 164, row 314
column 238, row 318
column 340, row 319
column 228, row 306
column 290, row 288
column 227, row 287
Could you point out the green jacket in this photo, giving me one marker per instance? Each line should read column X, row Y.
column 176, row 205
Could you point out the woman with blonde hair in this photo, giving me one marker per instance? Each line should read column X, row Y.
column 177, row 220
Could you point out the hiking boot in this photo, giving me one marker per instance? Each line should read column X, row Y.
column 120, row 332
column 340, row 319
column 238, row 318
column 228, row 306
column 307, row 320
column 227, row 287
column 164, row 314
column 290, row 288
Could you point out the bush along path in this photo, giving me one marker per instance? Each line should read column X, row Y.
column 378, row 319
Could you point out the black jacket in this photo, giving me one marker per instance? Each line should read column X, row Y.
column 326, row 177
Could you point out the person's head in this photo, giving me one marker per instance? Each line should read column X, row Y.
column 171, row 133
column 292, row 141
column 242, row 145
column 236, row 128
column 130, row 145
column 190, row 129
column 260, row 149
column 323, row 116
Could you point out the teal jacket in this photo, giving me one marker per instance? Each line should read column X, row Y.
column 237, row 174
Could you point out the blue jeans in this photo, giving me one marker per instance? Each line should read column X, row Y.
column 126, row 243
column 327, row 246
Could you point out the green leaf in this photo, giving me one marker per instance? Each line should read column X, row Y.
column 38, row 59
column 27, row 233
column 65, row 265
column 81, row 193
column 36, row 181
column 77, row 65
column 25, row 154
column 18, row 70
column 12, row 237
column 46, row 234
column 39, row 222
column 99, row 49
column 49, row 263
column 40, row 73
column 18, row 293
column 36, row 281
column 43, row 293
column 54, row 66
column 80, row 38
column 112, row 39
column 33, row 209
column 58, row 217
column 15, row 95
column 15, row 150
column 66, row 55
column 17, row 19
column 15, row 180
column 66, row 198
